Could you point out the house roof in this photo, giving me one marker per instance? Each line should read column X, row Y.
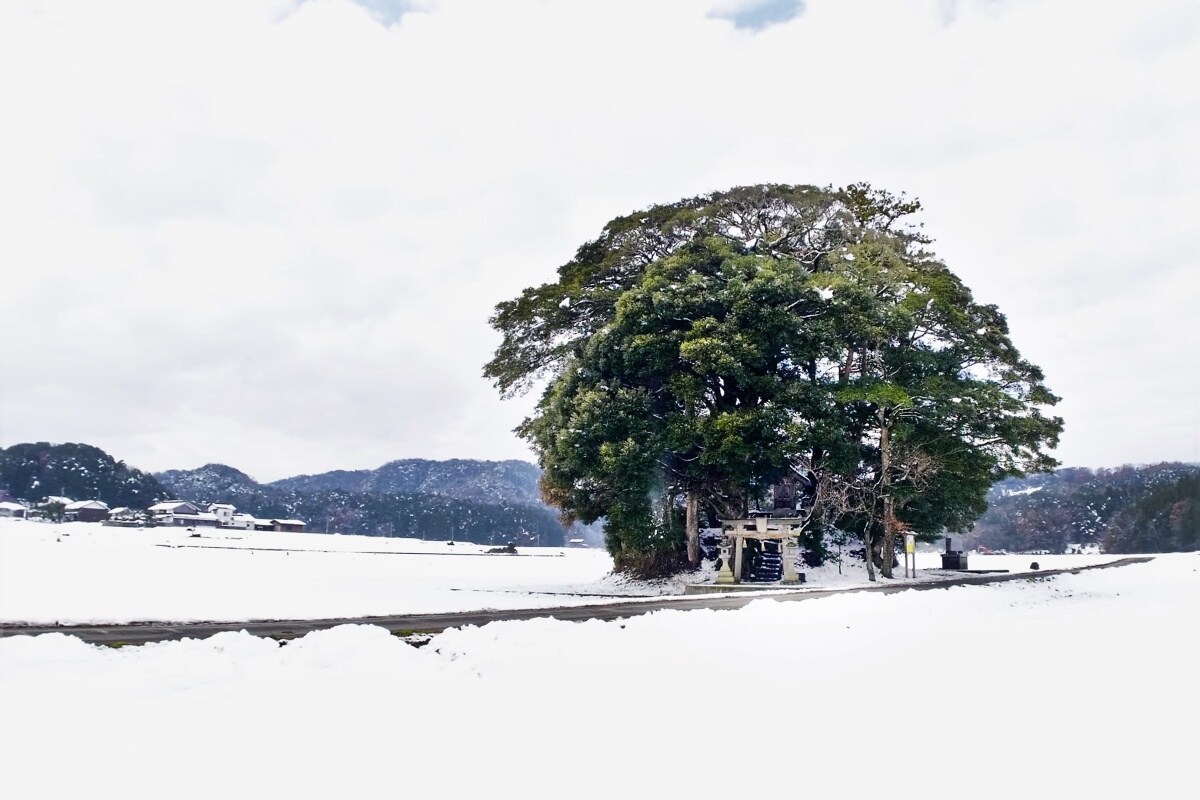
column 170, row 505
column 81, row 504
column 11, row 506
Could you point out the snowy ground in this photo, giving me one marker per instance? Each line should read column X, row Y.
column 80, row 572
column 86, row 572
column 1073, row 686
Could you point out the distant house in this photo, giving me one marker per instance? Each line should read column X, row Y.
column 173, row 507
column 217, row 515
column 8, row 509
column 181, row 513
column 86, row 511
column 279, row 525
column 243, row 521
column 576, row 543
column 224, row 514
column 199, row 520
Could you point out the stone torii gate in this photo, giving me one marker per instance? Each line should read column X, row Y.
column 784, row 530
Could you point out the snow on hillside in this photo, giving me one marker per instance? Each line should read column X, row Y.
column 1073, row 686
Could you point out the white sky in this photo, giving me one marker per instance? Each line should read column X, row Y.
column 270, row 233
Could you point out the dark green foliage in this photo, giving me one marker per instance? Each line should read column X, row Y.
column 32, row 471
column 707, row 347
column 1164, row 520
column 1127, row 509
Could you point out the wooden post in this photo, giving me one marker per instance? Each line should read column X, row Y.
column 737, row 559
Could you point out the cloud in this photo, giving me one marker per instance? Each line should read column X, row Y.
column 756, row 15
column 388, row 12
column 271, row 233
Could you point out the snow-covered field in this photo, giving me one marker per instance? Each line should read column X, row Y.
column 1073, row 686
column 86, row 572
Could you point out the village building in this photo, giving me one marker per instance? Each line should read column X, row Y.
column 217, row 515
column 9, row 509
column 180, row 513
column 86, row 511
column 224, row 514
column 279, row 525
column 243, row 521
column 172, row 507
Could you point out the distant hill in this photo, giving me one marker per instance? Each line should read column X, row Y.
column 1045, row 512
column 489, row 502
column 480, row 501
column 34, row 470
column 211, row 481
column 497, row 481
column 1165, row 520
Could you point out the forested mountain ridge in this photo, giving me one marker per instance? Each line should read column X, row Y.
column 1165, row 520
column 481, row 501
column 33, row 470
column 1076, row 505
column 510, row 481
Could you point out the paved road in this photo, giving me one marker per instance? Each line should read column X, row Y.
column 410, row 624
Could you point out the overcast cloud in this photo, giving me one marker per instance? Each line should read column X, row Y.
column 270, row 233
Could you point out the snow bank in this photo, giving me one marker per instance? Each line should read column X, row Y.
column 1072, row 686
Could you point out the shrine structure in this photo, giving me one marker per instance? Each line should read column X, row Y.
column 782, row 531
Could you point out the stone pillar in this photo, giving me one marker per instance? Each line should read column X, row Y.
column 789, row 548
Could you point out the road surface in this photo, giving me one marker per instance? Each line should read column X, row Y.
column 411, row 625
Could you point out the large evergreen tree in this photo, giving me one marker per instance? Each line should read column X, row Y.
column 699, row 351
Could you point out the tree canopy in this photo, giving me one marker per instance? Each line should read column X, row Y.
column 698, row 352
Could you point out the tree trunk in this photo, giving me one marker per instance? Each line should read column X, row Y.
column 869, row 547
column 889, row 536
column 885, row 489
column 693, row 528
